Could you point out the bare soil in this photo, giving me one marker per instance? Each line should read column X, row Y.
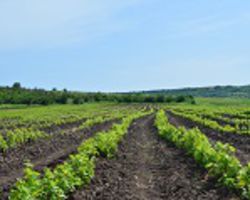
column 43, row 153
column 240, row 142
column 148, row 168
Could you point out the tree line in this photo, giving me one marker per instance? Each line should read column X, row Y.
column 20, row 95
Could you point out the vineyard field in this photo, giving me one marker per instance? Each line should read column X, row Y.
column 126, row 151
column 124, row 100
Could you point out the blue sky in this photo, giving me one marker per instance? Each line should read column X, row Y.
column 109, row 45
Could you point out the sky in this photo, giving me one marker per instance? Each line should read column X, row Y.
column 111, row 45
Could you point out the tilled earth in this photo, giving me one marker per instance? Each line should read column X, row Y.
column 148, row 168
column 240, row 142
column 43, row 153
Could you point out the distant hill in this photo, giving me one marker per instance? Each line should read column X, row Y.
column 216, row 91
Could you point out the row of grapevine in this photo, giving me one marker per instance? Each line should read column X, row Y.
column 205, row 122
column 235, row 122
column 76, row 171
column 240, row 125
column 19, row 136
column 100, row 119
column 243, row 114
column 44, row 117
column 218, row 159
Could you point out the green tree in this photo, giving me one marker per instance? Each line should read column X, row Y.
column 16, row 85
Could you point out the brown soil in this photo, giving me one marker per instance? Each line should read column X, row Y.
column 230, row 116
column 240, row 142
column 57, row 128
column 42, row 153
column 148, row 168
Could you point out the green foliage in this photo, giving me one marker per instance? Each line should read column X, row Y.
column 106, row 144
column 90, row 122
column 89, row 147
column 27, row 188
column 225, row 165
column 243, row 181
column 16, row 85
column 205, row 122
column 3, row 144
column 30, row 121
column 75, row 172
column 54, row 185
column 216, row 91
column 65, row 178
column 19, row 95
column 223, row 119
column 23, row 135
column 19, row 136
column 218, row 159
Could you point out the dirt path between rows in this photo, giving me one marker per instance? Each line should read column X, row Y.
column 53, row 129
column 240, row 142
column 148, row 168
column 43, row 153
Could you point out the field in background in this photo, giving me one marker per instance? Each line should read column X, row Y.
column 238, row 102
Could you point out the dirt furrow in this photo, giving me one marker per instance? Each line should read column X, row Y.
column 147, row 168
column 65, row 127
column 240, row 142
column 43, row 153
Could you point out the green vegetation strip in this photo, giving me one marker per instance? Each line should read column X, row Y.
column 99, row 119
column 76, row 172
column 20, row 136
column 236, row 121
column 19, row 95
column 240, row 126
column 41, row 117
column 218, row 159
column 205, row 122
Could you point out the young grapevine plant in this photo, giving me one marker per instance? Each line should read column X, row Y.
column 77, row 171
column 218, row 159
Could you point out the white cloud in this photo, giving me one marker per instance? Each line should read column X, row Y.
column 49, row 23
